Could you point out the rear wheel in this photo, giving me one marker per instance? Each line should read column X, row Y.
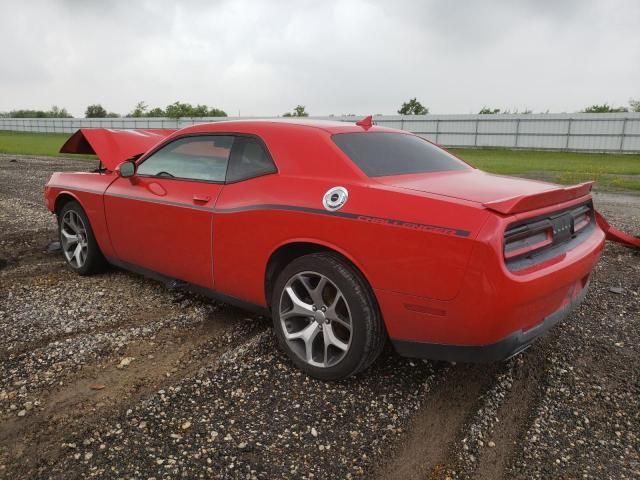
column 78, row 243
column 325, row 317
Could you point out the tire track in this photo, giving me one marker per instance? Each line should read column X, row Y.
column 104, row 390
column 515, row 414
column 424, row 453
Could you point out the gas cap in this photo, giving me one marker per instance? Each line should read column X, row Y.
column 335, row 198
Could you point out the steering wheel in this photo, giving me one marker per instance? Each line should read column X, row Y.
column 165, row 174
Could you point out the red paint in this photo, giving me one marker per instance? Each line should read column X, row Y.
column 430, row 245
column 366, row 122
column 616, row 235
column 113, row 146
column 171, row 238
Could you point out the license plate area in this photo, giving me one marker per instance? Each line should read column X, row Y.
column 562, row 228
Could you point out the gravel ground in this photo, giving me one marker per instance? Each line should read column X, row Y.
column 116, row 376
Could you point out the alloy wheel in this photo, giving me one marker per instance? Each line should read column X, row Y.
column 73, row 237
column 315, row 319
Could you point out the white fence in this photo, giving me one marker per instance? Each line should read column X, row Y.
column 610, row 132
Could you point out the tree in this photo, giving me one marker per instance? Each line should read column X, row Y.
column 179, row 110
column 56, row 112
column 216, row 112
column 413, row 107
column 112, row 115
column 140, row 110
column 95, row 111
column 199, row 111
column 156, row 112
column 604, row 108
column 634, row 104
column 298, row 111
column 488, row 111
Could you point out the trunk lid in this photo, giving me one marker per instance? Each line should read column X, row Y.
column 506, row 195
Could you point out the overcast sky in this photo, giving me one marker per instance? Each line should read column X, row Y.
column 335, row 57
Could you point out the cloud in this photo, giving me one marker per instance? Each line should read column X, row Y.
column 263, row 58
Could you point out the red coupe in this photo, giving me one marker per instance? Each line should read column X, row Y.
column 345, row 234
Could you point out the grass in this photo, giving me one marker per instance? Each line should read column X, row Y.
column 610, row 171
column 27, row 143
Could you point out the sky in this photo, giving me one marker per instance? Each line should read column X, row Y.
column 262, row 58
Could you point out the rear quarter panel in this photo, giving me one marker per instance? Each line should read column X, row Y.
column 424, row 253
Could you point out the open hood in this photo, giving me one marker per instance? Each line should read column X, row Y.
column 506, row 195
column 114, row 146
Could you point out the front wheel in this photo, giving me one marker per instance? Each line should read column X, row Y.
column 78, row 243
column 326, row 318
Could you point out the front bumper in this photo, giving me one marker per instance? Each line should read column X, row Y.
column 507, row 347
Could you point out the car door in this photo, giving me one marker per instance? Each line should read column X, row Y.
column 242, row 231
column 161, row 218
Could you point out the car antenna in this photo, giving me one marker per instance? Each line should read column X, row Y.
column 366, row 122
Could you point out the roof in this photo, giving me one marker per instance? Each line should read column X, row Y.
column 330, row 126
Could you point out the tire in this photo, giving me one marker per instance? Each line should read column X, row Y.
column 73, row 222
column 320, row 305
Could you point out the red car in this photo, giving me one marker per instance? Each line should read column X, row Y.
column 345, row 234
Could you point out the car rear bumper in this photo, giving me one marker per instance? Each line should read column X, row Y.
column 497, row 312
column 507, row 347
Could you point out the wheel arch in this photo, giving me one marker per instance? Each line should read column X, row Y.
column 62, row 199
column 289, row 251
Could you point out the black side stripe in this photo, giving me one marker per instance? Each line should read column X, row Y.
column 295, row 208
column 353, row 216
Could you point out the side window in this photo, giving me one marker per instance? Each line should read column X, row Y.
column 197, row 158
column 248, row 159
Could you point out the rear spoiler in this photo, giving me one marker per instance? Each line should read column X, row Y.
column 114, row 146
column 554, row 196
column 524, row 203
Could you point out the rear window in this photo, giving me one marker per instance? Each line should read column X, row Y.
column 383, row 154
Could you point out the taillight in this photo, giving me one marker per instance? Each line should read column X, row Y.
column 538, row 239
column 581, row 218
column 527, row 238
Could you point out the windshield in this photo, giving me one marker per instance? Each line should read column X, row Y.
column 380, row 154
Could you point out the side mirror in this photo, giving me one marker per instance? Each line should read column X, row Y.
column 127, row 169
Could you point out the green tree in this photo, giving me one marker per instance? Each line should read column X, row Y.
column 413, row 107
column 488, row 111
column 95, row 111
column 140, row 110
column 604, row 108
column 199, row 111
column 56, row 112
column 634, row 104
column 298, row 111
column 156, row 112
column 23, row 113
column 112, row 115
column 216, row 112
column 179, row 110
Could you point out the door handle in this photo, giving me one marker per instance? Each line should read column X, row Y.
column 201, row 198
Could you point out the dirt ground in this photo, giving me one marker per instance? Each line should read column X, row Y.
column 117, row 376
